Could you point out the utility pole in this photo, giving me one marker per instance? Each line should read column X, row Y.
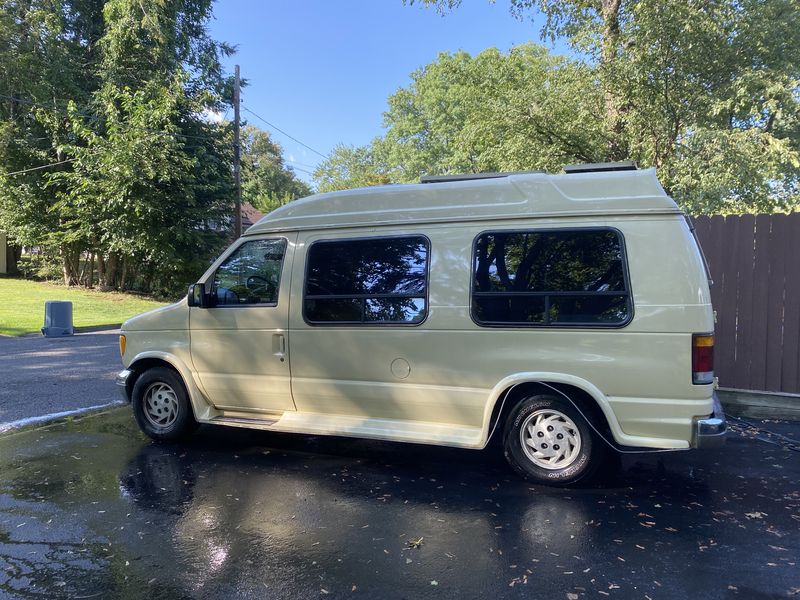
column 237, row 151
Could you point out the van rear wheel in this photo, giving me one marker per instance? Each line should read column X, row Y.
column 547, row 441
column 161, row 405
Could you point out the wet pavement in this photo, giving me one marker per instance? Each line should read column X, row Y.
column 40, row 376
column 92, row 509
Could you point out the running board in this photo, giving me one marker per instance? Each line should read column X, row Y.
column 243, row 422
column 393, row 430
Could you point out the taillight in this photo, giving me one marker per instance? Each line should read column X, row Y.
column 702, row 358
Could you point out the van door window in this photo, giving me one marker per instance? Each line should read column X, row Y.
column 551, row 277
column 367, row 281
column 251, row 275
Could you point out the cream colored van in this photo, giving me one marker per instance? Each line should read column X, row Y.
column 567, row 316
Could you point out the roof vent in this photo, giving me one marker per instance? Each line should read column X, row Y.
column 624, row 165
column 470, row 176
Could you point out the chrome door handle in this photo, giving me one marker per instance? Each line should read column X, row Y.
column 279, row 345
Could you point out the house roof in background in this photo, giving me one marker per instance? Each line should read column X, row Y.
column 250, row 215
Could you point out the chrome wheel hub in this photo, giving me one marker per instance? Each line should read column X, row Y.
column 160, row 405
column 550, row 439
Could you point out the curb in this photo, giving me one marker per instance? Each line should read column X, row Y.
column 93, row 328
column 49, row 419
column 760, row 405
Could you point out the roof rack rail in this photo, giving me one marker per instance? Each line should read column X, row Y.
column 470, row 176
column 623, row 165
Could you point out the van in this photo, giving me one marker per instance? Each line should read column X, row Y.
column 567, row 317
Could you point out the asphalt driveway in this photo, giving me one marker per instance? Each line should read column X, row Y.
column 41, row 376
column 91, row 508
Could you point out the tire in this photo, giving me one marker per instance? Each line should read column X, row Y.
column 161, row 405
column 561, row 449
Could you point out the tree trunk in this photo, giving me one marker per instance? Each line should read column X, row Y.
column 101, row 269
column 109, row 280
column 124, row 276
column 615, row 149
column 82, row 269
column 90, row 279
column 70, row 259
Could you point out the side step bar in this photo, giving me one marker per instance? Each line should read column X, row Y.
column 242, row 421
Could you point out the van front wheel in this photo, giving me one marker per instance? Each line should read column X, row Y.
column 547, row 441
column 161, row 405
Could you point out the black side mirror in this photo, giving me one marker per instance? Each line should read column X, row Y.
column 198, row 297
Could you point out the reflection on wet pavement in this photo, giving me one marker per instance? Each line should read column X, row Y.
column 91, row 508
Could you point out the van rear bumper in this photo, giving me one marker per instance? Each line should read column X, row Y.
column 709, row 432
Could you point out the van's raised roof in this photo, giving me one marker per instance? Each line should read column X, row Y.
column 515, row 196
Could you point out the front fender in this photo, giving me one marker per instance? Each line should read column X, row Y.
column 201, row 408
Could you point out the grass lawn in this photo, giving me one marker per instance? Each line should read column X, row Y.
column 22, row 305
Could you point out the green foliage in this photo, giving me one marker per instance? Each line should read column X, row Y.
column 144, row 176
column 46, row 53
column 351, row 167
column 493, row 112
column 267, row 182
column 525, row 110
column 708, row 93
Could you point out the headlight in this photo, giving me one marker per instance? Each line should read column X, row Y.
column 122, row 343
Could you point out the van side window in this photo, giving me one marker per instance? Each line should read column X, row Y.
column 550, row 277
column 251, row 275
column 367, row 281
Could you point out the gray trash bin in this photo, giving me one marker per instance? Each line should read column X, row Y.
column 57, row 318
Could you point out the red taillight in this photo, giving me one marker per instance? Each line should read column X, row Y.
column 702, row 358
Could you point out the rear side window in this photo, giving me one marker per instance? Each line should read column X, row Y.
column 367, row 281
column 550, row 278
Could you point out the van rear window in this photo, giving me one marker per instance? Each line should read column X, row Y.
column 367, row 281
column 560, row 278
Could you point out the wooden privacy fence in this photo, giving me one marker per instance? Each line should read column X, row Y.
column 755, row 264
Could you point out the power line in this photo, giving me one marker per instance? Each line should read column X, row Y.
column 42, row 106
column 38, row 168
column 294, row 162
column 156, row 132
column 126, row 127
column 302, row 170
column 291, row 137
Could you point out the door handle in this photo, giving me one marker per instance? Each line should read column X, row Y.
column 279, row 345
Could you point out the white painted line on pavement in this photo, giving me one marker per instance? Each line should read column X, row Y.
column 52, row 416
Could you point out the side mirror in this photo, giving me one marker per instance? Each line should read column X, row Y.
column 197, row 296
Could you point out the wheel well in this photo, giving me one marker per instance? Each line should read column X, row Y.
column 514, row 394
column 142, row 365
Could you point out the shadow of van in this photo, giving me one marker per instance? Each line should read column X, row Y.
column 230, row 502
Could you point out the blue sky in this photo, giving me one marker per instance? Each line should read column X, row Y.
column 321, row 70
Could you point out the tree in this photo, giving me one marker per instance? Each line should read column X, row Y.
column 524, row 110
column 267, row 182
column 351, row 167
column 140, row 174
column 47, row 53
column 150, row 172
column 147, row 191
column 705, row 92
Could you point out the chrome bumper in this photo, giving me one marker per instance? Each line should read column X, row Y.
column 122, row 383
column 710, row 432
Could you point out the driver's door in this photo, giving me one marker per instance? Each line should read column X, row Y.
column 240, row 347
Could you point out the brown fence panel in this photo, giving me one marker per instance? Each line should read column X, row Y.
column 756, row 293
column 781, row 237
column 790, row 364
column 756, row 336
